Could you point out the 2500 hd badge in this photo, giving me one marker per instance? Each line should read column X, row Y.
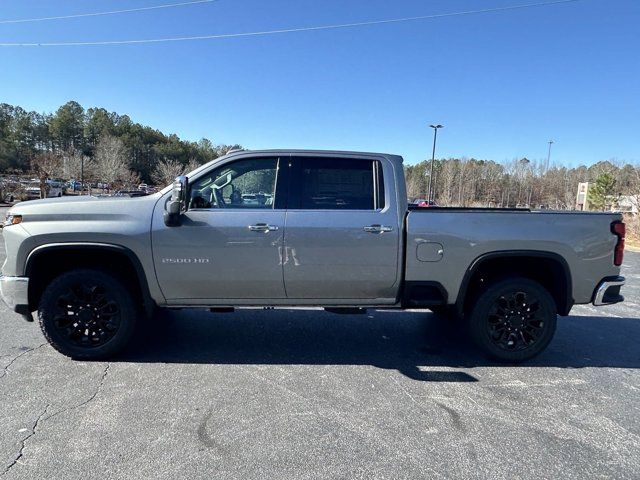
column 186, row 260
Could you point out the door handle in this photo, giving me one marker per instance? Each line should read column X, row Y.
column 263, row 227
column 377, row 228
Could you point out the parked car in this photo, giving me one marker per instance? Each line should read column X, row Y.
column 130, row 193
column 77, row 186
column 12, row 190
column 53, row 189
column 338, row 235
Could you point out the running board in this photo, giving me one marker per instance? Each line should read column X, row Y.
column 222, row 309
column 346, row 310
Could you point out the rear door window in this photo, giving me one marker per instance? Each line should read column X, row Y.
column 322, row 183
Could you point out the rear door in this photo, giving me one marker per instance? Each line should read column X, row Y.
column 341, row 233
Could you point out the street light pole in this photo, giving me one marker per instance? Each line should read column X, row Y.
column 549, row 155
column 433, row 158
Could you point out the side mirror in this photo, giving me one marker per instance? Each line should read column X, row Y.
column 177, row 204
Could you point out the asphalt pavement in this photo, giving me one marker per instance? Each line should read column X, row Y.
column 292, row 394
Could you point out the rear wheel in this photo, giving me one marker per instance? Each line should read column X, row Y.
column 513, row 320
column 87, row 314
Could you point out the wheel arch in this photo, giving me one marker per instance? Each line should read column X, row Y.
column 47, row 261
column 530, row 264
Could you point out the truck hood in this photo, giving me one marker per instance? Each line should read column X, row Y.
column 85, row 208
column 85, row 199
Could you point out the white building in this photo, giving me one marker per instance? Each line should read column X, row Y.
column 582, row 200
column 627, row 204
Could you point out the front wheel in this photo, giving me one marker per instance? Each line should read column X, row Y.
column 513, row 320
column 87, row 314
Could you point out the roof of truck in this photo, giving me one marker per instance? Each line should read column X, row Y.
column 295, row 151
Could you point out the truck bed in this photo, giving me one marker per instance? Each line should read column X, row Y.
column 442, row 243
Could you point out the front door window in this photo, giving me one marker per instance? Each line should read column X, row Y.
column 249, row 183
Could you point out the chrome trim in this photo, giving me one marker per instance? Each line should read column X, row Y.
column 14, row 291
column 602, row 288
column 263, row 227
column 377, row 228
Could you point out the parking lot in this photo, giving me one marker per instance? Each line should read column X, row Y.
column 306, row 394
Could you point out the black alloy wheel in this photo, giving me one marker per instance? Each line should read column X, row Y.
column 513, row 320
column 87, row 314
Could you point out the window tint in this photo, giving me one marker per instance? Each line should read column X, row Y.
column 249, row 183
column 338, row 183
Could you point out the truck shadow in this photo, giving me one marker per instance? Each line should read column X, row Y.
column 420, row 345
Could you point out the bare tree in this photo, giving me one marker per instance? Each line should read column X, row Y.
column 414, row 186
column 76, row 165
column 447, row 181
column 632, row 187
column 492, row 176
column 463, row 177
column 128, row 180
column 46, row 166
column 191, row 165
column 167, row 170
column 111, row 163
column 221, row 150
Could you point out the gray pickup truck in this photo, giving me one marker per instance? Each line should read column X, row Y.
column 302, row 228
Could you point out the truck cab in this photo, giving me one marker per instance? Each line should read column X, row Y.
column 285, row 243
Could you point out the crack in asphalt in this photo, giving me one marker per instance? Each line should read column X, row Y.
column 88, row 400
column 13, row 360
column 24, row 441
column 41, row 418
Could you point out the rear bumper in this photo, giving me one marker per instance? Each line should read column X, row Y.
column 15, row 293
column 608, row 291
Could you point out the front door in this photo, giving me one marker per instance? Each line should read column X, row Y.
column 229, row 244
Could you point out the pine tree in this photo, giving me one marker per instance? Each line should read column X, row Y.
column 601, row 193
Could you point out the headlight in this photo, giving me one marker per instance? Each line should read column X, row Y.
column 11, row 219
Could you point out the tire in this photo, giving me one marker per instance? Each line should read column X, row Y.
column 513, row 320
column 87, row 314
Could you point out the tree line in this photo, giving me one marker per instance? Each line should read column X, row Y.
column 523, row 183
column 105, row 146
column 109, row 147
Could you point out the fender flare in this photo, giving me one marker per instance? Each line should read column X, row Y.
column 147, row 300
column 568, row 301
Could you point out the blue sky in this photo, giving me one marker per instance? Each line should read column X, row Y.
column 503, row 84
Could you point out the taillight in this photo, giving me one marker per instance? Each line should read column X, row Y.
column 618, row 229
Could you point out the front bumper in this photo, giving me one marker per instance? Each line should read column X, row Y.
column 15, row 293
column 608, row 291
